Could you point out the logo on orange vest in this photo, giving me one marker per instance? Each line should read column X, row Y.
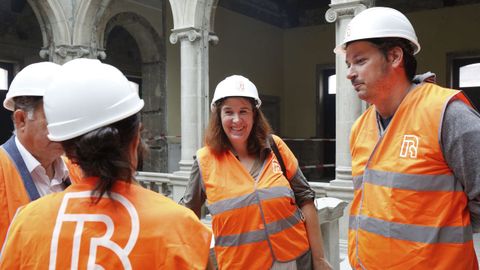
column 71, row 224
column 276, row 167
column 409, row 146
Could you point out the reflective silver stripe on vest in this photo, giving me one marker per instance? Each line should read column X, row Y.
column 239, row 239
column 249, row 199
column 259, row 235
column 414, row 233
column 357, row 182
column 419, row 182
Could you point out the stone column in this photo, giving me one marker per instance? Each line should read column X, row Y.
column 348, row 109
column 194, row 98
column 193, row 27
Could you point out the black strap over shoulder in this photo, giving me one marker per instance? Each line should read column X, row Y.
column 12, row 150
column 67, row 182
column 274, row 147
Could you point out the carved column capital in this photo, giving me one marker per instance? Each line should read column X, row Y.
column 77, row 51
column 44, row 53
column 212, row 38
column 189, row 33
column 342, row 8
column 68, row 52
column 101, row 54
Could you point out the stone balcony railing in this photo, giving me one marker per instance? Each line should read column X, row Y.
column 329, row 210
column 158, row 182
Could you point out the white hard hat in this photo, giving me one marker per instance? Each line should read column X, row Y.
column 379, row 22
column 85, row 95
column 235, row 86
column 30, row 81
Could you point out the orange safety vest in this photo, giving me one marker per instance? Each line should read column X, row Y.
column 255, row 221
column 13, row 192
column 134, row 228
column 408, row 211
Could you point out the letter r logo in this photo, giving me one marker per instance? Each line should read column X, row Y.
column 409, row 146
column 276, row 167
column 79, row 224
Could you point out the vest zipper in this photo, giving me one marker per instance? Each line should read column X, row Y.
column 380, row 137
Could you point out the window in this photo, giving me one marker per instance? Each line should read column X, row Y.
column 470, row 75
column 6, row 76
column 3, row 79
column 332, row 84
column 320, row 160
column 465, row 70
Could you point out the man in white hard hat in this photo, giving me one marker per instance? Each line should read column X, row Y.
column 30, row 164
column 107, row 221
column 415, row 155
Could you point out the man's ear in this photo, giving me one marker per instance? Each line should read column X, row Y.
column 19, row 119
column 395, row 56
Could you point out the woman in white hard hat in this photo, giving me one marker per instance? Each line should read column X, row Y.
column 263, row 216
column 106, row 220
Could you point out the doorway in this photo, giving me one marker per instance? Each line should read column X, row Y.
column 6, row 77
column 321, row 164
column 465, row 77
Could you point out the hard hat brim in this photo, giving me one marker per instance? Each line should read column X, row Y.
column 68, row 128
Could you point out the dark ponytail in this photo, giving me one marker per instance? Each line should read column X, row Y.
column 104, row 153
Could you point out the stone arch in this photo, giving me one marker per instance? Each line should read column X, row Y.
column 20, row 34
column 151, row 45
column 54, row 26
column 88, row 29
column 69, row 31
column 20, row 40
column 212, row 15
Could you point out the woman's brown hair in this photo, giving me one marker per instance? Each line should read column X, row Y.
column 217, row 140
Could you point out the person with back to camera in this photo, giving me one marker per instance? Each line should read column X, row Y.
column 106, row 220
column 261, row 219
column 31, row 165
column 415, row 155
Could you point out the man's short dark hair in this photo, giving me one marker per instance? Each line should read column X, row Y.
column 27, row 104
column 386, row 44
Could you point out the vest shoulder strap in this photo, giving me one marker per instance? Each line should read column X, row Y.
column 275, row 150
column 12, row 150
